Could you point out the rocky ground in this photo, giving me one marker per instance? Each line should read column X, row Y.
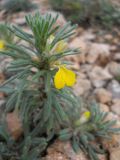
column 98, row 71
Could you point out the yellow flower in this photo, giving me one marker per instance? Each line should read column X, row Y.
column 2, row 45
column 84, row 118
column 87, row 114
column 64, row 77
column 59, row 47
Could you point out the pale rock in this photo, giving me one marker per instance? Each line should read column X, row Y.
column 103, row 60
column 114, row 88
column 116, row 106
column 101, row 48
column 102, row 157
column 75, row 66
column 113, row 143
column 91, row 57
column 80, row 30
column 72, row 58
column 115, row 41
column 63, row 151
column 79, row 58
column 82, row 86
column 79, row 42
column 108, row 36
column 18, row 15
column 117, row 57
column 104, row 107
column 14, row 125
column 88, row 35
column 116, row 2
column 78, row 91
column 115, row 100
column 114, row 68
column 103, row 95
column 99, row 76
column 113, row 146
column 112, row 116
column 80, row 75
column 115, row 154
column 19, row 21
column 82, row 58
column 113, row 48
column 96, row 50
column 86, row 68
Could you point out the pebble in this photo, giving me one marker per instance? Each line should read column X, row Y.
column 82, row 86
column 114, row 69
column 116, row 107
column 114, row 88
column 104, row 107
column 117, row 57
column 103, row 96
column 81, row 43
column 96, row 50
column 99, row 76
column 63, row 151
column 115, row 154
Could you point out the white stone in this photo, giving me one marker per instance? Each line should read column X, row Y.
column 117, row 57
column 116, row 106
column 96, row 50
column 82, row 86
column 114, row 68
column 99, row 76
column 79, row 42
column 103, row 95
column 114, row 88
column 115, row 154
column 104, row 107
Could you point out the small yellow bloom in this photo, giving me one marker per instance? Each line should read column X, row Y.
column 84, row 118
column 59, row 47
column 64, row 77
column 2, row 45
column 87, row 114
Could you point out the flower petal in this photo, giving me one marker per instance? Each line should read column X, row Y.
column 87, row 114
column 70, row 77
column 59, row 79
column 2, row 45
column 60, row 46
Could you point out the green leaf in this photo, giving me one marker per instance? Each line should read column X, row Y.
column 75, row 144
